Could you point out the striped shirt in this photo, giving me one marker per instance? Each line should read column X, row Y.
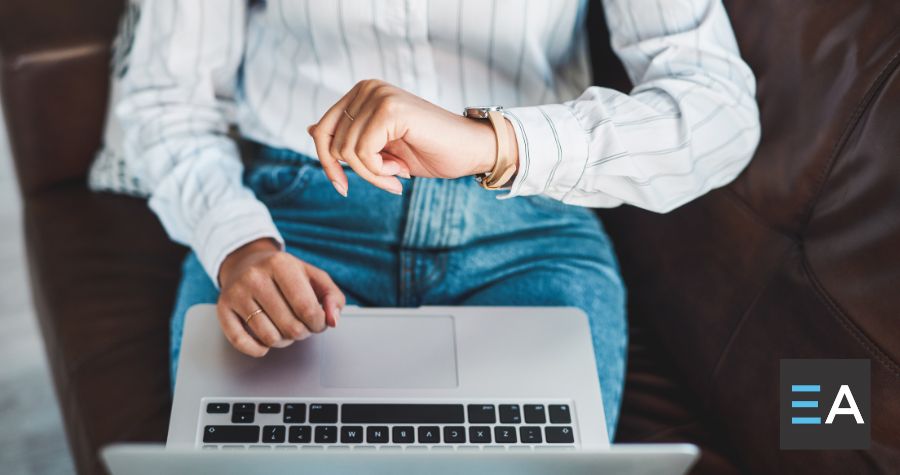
column 690, row 123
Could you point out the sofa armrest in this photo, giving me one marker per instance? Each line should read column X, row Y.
column 103, row 276
column 54, row 76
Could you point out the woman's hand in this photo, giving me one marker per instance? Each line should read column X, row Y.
column 296, row 298
column 382, row 131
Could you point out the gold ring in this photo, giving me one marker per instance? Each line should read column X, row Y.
column 253, row 314
column 349, row 116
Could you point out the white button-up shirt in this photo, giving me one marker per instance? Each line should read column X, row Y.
column 689, row 125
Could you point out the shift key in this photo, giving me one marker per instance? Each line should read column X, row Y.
column 231, row 434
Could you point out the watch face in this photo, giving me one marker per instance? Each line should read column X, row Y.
column 480, row 112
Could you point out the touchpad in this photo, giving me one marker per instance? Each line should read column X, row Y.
column 390, row 352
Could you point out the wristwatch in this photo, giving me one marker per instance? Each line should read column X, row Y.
column 504, row 166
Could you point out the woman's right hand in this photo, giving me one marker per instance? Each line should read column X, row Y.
column 296, row 298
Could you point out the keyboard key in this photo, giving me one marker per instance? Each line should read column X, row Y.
column 509, row 414
column 377, row 434
column 241, row 417
column 560, row 435
column 403, row 435
column 505, row 435
column 273, row 435
column 559, row 414
column 534, row 414
column 351, row 434
column 294, row 413
column 269, row 408
column 429, row 435
column 402, row 413
column 323, row 413
column 326, row 434
column 244, row 407
column 479, row 434
column 530, row 434
column 298, row 435
column 454, row 435
column 482, row 414
column 218, row 408
column 231, row 434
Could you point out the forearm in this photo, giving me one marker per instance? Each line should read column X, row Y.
column 175, row 131
column 687, row 126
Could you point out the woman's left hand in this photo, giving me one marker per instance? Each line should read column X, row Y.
column 382, row 132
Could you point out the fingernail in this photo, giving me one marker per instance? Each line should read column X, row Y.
column 390, row 169
column 396, row 189
column 339, row 187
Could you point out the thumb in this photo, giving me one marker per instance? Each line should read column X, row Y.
column 394, row 166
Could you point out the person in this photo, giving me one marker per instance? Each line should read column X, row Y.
column 360, row 187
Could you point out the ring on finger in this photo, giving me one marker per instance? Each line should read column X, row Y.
column 252, row 314
column 349, row 116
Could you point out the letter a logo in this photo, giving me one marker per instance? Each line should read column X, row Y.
column 853, row 409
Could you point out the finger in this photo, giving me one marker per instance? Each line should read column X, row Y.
column 323, row 133
column 259, row 324
column 237, row 335
column 394, row 166
column 280, row 314
column 330, row 165
column 343, row 144
column 328, row 293
column 347, row 132
column 299, row 294
column 387, row 183
column 336, row 174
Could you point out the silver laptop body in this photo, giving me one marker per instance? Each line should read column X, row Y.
column 401, row 391
column 530, row 370
column 643, row 459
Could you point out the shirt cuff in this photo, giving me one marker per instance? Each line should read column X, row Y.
column 553, row 150
column 229, row 226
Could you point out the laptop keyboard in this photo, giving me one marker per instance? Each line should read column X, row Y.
column 385, row 426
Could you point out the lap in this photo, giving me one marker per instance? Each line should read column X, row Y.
column 590, row 283
column 195, row 288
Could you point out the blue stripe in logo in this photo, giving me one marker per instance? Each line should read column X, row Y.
column 805, row 388
column 804, row 403
column 806, row 420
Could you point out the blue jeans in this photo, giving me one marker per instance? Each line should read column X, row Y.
column 444, row 242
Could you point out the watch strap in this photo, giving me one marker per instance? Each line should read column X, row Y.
column 504, row 168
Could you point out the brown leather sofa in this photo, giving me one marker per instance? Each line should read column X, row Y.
column 800, row 257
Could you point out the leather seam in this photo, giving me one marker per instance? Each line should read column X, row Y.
column 850, row 128
column 753, row 214
column 737, row 328
column 843, row 319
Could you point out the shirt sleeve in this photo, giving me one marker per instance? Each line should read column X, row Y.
column 175, row 126
column 689, row 125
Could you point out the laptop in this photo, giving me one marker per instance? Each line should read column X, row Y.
column 396, row 390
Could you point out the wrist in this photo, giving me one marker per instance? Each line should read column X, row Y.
column 237, row 255
column 487, row 138
column 486, row 155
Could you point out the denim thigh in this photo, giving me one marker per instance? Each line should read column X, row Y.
column 479, row 251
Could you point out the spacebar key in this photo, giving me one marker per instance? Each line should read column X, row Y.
column 402, row 413
column 231, row 434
